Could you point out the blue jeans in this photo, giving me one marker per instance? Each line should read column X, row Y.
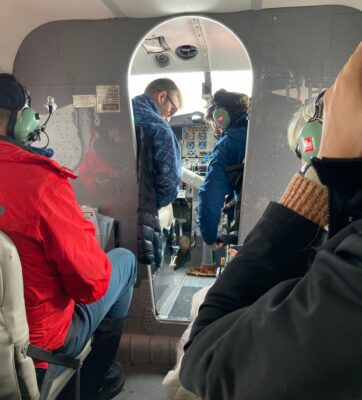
column 113, row 305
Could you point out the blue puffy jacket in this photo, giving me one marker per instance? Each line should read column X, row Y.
column 166, row 150
column 229, row 150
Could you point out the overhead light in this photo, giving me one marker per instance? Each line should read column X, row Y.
column 162, row 60
column 155, row 45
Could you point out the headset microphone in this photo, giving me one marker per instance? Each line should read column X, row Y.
column 50, row 105
column 309, row 138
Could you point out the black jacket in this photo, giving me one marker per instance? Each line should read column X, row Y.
column 148, row 225
column 269, row 331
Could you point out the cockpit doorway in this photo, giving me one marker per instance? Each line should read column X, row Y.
column 201, row 56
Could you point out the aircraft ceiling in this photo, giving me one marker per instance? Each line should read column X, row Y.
column 19, row 17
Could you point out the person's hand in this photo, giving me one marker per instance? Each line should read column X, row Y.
column 342, row 112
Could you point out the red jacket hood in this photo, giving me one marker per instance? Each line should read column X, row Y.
column 11, row 152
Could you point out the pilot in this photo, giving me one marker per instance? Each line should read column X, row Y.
column 227, row 112
column 72, row 289
column 279, row 323
column 152, row 111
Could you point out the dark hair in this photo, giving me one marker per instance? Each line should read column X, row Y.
column 12, row 93
column 236, row 104
column 12, row 97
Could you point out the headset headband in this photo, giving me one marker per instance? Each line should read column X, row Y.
column 318, row 113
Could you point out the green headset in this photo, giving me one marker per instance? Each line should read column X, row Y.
column 27, row 127
column 14, row 97
column 221, row 117
column 309, row 137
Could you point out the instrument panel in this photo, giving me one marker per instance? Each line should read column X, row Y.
column 197, row 141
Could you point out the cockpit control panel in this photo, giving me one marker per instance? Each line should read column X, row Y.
column 197, row 141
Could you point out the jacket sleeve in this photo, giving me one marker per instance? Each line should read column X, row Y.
column 280, row 239
column 343, row 177
column 167, row 164
column 212, row 196
column 301, row 340
column 70, row 243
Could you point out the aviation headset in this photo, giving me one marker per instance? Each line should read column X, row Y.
column 14, row 97
column 309, row 137
column 221, row 117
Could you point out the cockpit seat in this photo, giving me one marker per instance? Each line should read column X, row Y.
column 17, row 372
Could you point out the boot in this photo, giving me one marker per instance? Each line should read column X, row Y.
column 113, row 382
column 100, row 360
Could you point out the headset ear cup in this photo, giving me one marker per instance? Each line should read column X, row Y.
column 27, row 125
column 309, row 140
column 221, row 117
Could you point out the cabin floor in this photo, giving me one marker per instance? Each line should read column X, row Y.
column 174, row 290
column 143, row 383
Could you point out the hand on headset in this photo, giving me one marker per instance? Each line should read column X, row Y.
column 342, row 121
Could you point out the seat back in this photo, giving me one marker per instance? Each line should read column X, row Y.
column 17, row 372
column 148, row 224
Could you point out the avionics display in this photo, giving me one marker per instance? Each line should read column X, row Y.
column 197, row 141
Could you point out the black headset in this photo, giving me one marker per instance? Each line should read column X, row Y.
column 309, row 137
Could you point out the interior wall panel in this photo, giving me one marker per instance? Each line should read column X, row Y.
column 304, row 47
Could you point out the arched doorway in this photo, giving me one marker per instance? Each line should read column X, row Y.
column 201, row 56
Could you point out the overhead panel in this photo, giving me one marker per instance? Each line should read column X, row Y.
column 219, row 49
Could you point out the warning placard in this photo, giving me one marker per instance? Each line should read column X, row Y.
column 108, row 98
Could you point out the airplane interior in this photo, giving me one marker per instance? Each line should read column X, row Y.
column 94, row 56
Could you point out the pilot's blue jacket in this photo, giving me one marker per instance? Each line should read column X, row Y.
column 166, row 150
column 229, row 150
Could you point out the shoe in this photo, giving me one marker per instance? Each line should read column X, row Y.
column 113, row 382
column 204, row 270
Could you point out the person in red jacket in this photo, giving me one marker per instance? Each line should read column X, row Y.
column 72, row 289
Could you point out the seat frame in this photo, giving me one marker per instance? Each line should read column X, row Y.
column 18, row 375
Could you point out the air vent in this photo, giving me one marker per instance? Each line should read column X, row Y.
column 162, row 60
column 186, row 51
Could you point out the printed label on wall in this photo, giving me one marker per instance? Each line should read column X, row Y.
column 107, row 98
column 84, row 100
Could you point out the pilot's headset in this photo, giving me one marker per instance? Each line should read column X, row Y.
column 221, row 117
column 309, row 137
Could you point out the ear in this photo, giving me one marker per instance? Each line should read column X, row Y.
column 160, row 96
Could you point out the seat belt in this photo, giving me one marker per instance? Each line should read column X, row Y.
column 52, row 358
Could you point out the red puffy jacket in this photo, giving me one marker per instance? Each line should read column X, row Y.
column 61, row 259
